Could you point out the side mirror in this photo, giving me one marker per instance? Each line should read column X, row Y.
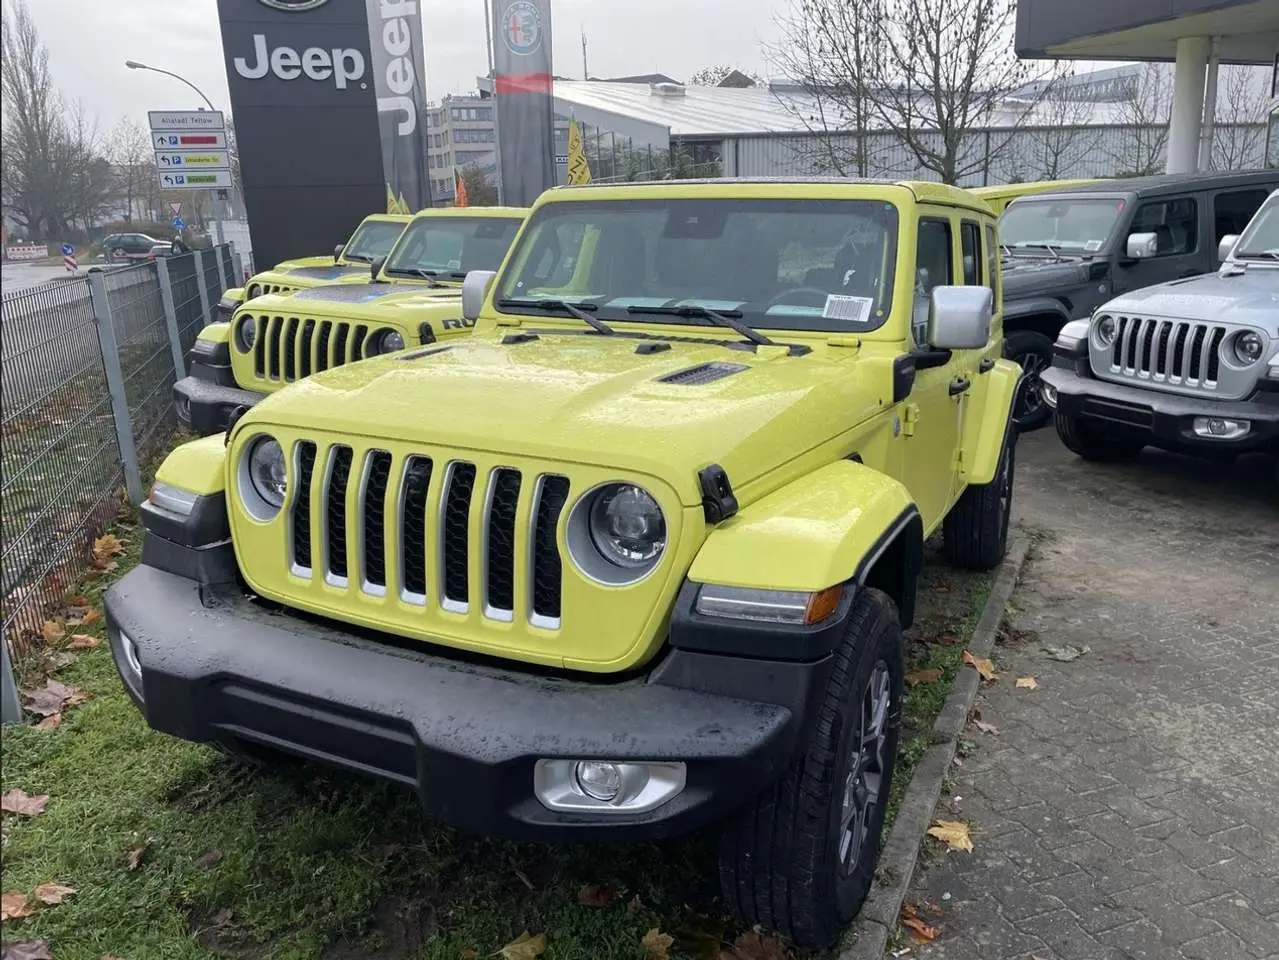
column 474, row 289
column 1142, row 246
column 1226, row 247
column 337, row 252
column 960, row 318
column 376, row 267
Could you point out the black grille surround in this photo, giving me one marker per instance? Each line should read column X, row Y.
column 286, row 349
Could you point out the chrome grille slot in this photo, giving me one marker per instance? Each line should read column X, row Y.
column 1182, row 353
column 373, row 489
column 501, row 504
column 336, row 481
column 455, row 557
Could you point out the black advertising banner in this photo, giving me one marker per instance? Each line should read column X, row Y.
column 304, row 107
column 525, row 98
column 399, row 80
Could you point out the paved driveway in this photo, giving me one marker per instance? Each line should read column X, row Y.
column 1129, row 806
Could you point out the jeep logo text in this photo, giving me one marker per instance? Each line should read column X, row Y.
column 339, row 65
column 400, row 75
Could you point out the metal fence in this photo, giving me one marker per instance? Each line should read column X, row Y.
column 87, row 367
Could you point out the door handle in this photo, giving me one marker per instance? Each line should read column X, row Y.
column 959, row 386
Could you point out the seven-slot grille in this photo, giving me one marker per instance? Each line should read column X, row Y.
column 290, row 348
column 411, row 525
column 1181, row 352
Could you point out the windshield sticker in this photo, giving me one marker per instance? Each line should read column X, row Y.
column 852, row 309
column 1092, row 246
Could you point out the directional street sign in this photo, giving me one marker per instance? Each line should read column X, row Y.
column 205, row 140
column 189, row 120
column 207, row 160
column 212, row 180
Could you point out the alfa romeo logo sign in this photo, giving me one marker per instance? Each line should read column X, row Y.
column 293, row 6
column 522, row 28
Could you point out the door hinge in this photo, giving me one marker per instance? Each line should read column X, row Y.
column 910, row 416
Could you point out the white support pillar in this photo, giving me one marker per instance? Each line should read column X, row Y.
column 1210, row 107
column 1187, row 105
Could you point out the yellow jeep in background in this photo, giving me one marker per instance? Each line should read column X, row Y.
column 372, row 240
column 1000, row 195
column 413, row 298
column 632, row 558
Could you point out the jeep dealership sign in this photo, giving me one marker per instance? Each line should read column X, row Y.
column 327, row 99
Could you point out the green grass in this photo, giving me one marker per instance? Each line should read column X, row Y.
column 314, row 864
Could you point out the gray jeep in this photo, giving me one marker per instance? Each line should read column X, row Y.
column 1190, row 366
column 1071, row 250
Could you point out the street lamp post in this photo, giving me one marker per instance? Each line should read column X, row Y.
column 134, row 65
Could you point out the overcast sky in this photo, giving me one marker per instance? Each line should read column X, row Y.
column 89, row 40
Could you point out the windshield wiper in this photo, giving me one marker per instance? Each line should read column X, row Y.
column 427, row 275
column 357, row 256
column 573, row 309
column 725, row 318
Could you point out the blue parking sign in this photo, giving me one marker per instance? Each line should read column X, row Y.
column 179, row 223
column 67, row 250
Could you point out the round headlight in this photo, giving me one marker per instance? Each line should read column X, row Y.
column 627, row 526
column 266, row 471
column 1106, row 329
column 1248, row 347
column 245, row 331
column 253, row 291
column 385, row 341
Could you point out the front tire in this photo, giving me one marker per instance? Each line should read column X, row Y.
column 1086, row 439
column 1033, row 352
column 975, row 532
column 800, row 858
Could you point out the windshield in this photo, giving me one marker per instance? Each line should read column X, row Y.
column 1261, row 238
column 1069, row 226
column 450, row 247
column 372, row 239
column 773, row 264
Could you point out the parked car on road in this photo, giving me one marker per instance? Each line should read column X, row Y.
column 1069, row 251
column 410, row 298
column 1191, row 365
column 126, row 246
column 635, row 556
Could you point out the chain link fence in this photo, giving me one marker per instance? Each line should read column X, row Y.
column 87, row 368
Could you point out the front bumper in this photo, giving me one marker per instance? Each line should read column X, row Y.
column 1163, row 419
column 216, row 667
column 207, row 398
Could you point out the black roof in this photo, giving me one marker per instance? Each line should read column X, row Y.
column 1167, row 183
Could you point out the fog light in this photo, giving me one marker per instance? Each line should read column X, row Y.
column 603, row 781
column 130, row 651
column 1049, row 393
column 1220, row 428
column 125, row 653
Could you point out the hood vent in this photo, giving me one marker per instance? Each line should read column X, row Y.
column 703, row 373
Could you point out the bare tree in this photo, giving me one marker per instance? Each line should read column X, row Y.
column 1144, row 116
column 926, row 71
column 1243, row 107
column 87, row 178
column 130, row 151
column 1058, row 136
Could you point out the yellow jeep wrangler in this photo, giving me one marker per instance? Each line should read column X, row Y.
column 372, row 239
column 413, row 297
column 632, row 558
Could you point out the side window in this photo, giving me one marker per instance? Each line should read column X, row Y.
column 1174, row 222
column 934, row 267
column 992, row 263
column 970, row 237
column 1232, row 211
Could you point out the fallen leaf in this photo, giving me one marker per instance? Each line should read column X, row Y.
column 51, row 631
column 985, row 727
column 1028, row 683
column 25, row 950
column 22, row 803
column 91, row 617
column 107, row 545
column 983, row 665
column 133, row 859
column 954, row 833
column 209, row 859
column 1066, row 652
column 51, row 722
column 79, row 600
column 524, row 947
column 916, row 677
column 757, row 946
column 53, row 893
column 470, row 953
column 523, row 877
column 635, row 905
column 657, row 944
column 921, row 932
column 53, row 697
column 83, row 641
column 596, row 895
column 14, row 905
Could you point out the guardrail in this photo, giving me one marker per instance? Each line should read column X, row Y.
column 87, row 368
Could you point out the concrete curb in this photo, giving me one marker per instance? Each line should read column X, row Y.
column 897, row 860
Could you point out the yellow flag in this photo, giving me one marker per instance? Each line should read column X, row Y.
column 579, row 171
